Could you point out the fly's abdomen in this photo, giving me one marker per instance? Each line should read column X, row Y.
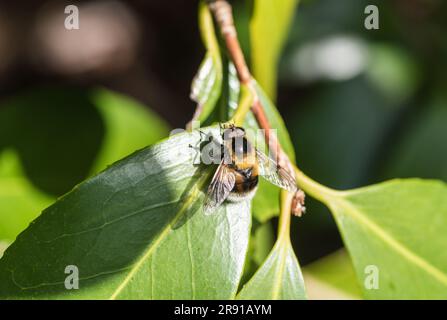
column 245, row 185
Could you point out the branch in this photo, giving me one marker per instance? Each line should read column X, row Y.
column 223, row 15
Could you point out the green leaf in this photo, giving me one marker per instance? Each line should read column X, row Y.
column 400, row 228
column 56, row 133
column 268, row 31
column 207, row 84
column 278, row 278
column 20, row 201
column 332, row 277
column 135, row 231
column 51, row 138
column 265, row 202
column 129, row 126
column 3, row 246
column 263, row 241
column 260, row 244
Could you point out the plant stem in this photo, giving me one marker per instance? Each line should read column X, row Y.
column 284, row 215
column 222, row 12
column 207, row 33
column 223, row 15
column 207, row 28
column 313, row 188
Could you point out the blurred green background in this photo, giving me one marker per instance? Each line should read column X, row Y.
column 362, row 106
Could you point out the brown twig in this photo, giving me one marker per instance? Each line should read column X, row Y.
column 224, row 16
column 222, row 12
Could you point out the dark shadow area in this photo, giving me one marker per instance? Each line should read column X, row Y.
column 57, row 132
column 354, row 127
column 202, row 173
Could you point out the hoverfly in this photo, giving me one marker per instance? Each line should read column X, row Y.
column 236, row 178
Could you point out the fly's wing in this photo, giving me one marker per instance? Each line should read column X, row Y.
column 220, row 187
column 271, row 171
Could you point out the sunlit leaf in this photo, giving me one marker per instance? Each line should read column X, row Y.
column 278, row 278
column 332, row 277
column 135, row 231
column 3, row 246
column 268, row 31
column 20, row 201
column 207, row 84
column 129, row 126
column 396, row 233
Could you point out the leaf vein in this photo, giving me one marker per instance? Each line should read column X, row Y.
column 395, row 244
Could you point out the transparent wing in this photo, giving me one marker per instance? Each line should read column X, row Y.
column 220, row 187
column 271, row 171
